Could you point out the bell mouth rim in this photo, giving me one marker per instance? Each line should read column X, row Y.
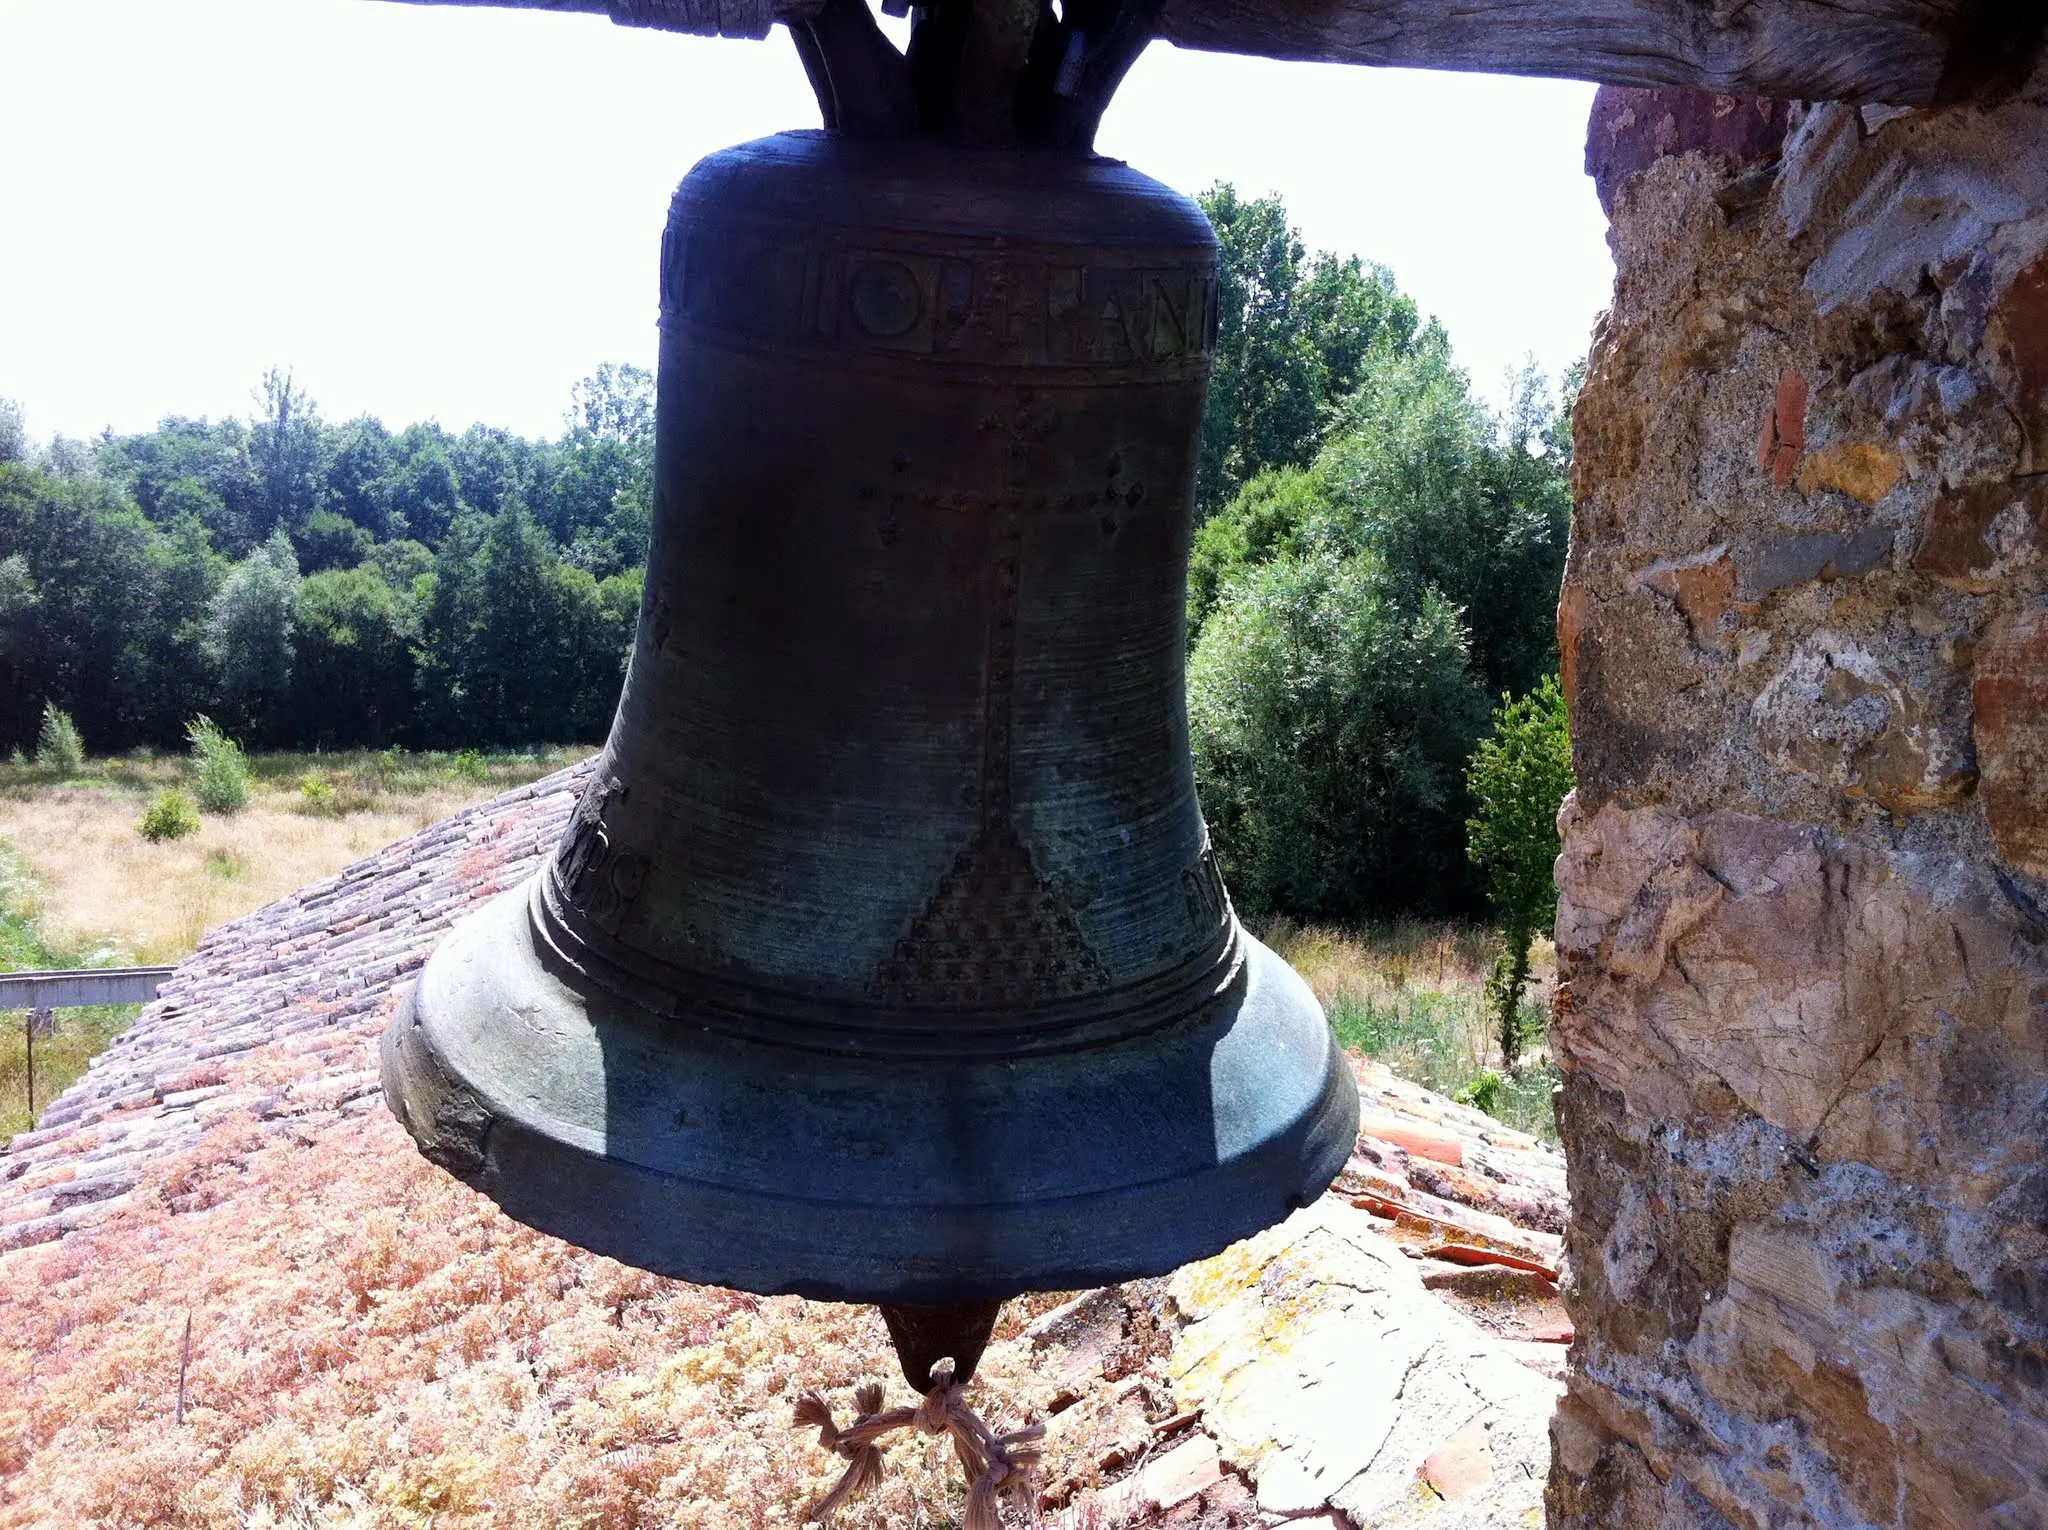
column 732, row 1163
column 860, row 1026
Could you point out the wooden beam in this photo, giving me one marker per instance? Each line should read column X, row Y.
column 1901, row 52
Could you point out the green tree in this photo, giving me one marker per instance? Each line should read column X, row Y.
column 1330, row 715
column 422, row 489
column 354, row 664
column 403, row 564
column 189, row 467
column 190, row 499
column 358, row 480
column 147, row 577
column 595, row 489
column 1557, row 431
column 519, row 645
column 1457, row 502
column 248, row 639
column 68, row 458
column 1462, row 517
column 1263, row 522
column 324, row 540
column 1449, row 498
column 169, row 654
column 85, row 640
column 17, row 594
column 1293, row 333
column 614, row 403
column 288, row 449
column 1519, row 777
column 494, row 467
column 13, row 432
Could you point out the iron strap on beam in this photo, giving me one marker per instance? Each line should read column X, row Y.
column 81, row 986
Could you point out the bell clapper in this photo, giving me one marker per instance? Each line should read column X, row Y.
column 927, row 1337
column 998, row 1464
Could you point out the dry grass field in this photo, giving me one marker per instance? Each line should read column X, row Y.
column 96, row 883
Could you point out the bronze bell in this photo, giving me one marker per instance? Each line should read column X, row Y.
column 885, row 958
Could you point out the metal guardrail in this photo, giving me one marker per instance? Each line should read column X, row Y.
column 41, row 992
column 84, row 985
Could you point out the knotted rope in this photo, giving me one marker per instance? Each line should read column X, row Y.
column 997, row 1465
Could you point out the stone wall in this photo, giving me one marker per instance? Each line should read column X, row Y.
column 1804, row 924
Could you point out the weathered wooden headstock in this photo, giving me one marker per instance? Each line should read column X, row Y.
column 1036, row 72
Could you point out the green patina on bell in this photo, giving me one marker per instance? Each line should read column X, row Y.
column 885, row 958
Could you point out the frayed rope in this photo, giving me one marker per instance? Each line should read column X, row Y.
column 998, row 1466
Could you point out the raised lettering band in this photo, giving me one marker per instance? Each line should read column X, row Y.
column 1148, row 312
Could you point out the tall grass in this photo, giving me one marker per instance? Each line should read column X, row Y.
column 1445, row 1042
column 1411, row 995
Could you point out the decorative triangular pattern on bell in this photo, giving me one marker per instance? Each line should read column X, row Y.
column 885, row 958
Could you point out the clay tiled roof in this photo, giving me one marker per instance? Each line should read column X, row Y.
column 224, row 1193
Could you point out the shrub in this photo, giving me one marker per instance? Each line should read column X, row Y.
column 222, row 785
column 59, row 749
column 1264, row 521
column 171, row 816
column 316, row 795
column 1518, row 778
column 1482, row 1092
column 1330, row 719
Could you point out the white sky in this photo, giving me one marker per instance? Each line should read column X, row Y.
column 453, row 214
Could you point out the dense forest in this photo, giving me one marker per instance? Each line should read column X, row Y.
column 1376, row 568
column 327, row 585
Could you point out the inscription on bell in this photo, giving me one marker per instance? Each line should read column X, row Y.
column 599, row 879
column 995, row 307
column 886, row 297
column 1202, row 886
